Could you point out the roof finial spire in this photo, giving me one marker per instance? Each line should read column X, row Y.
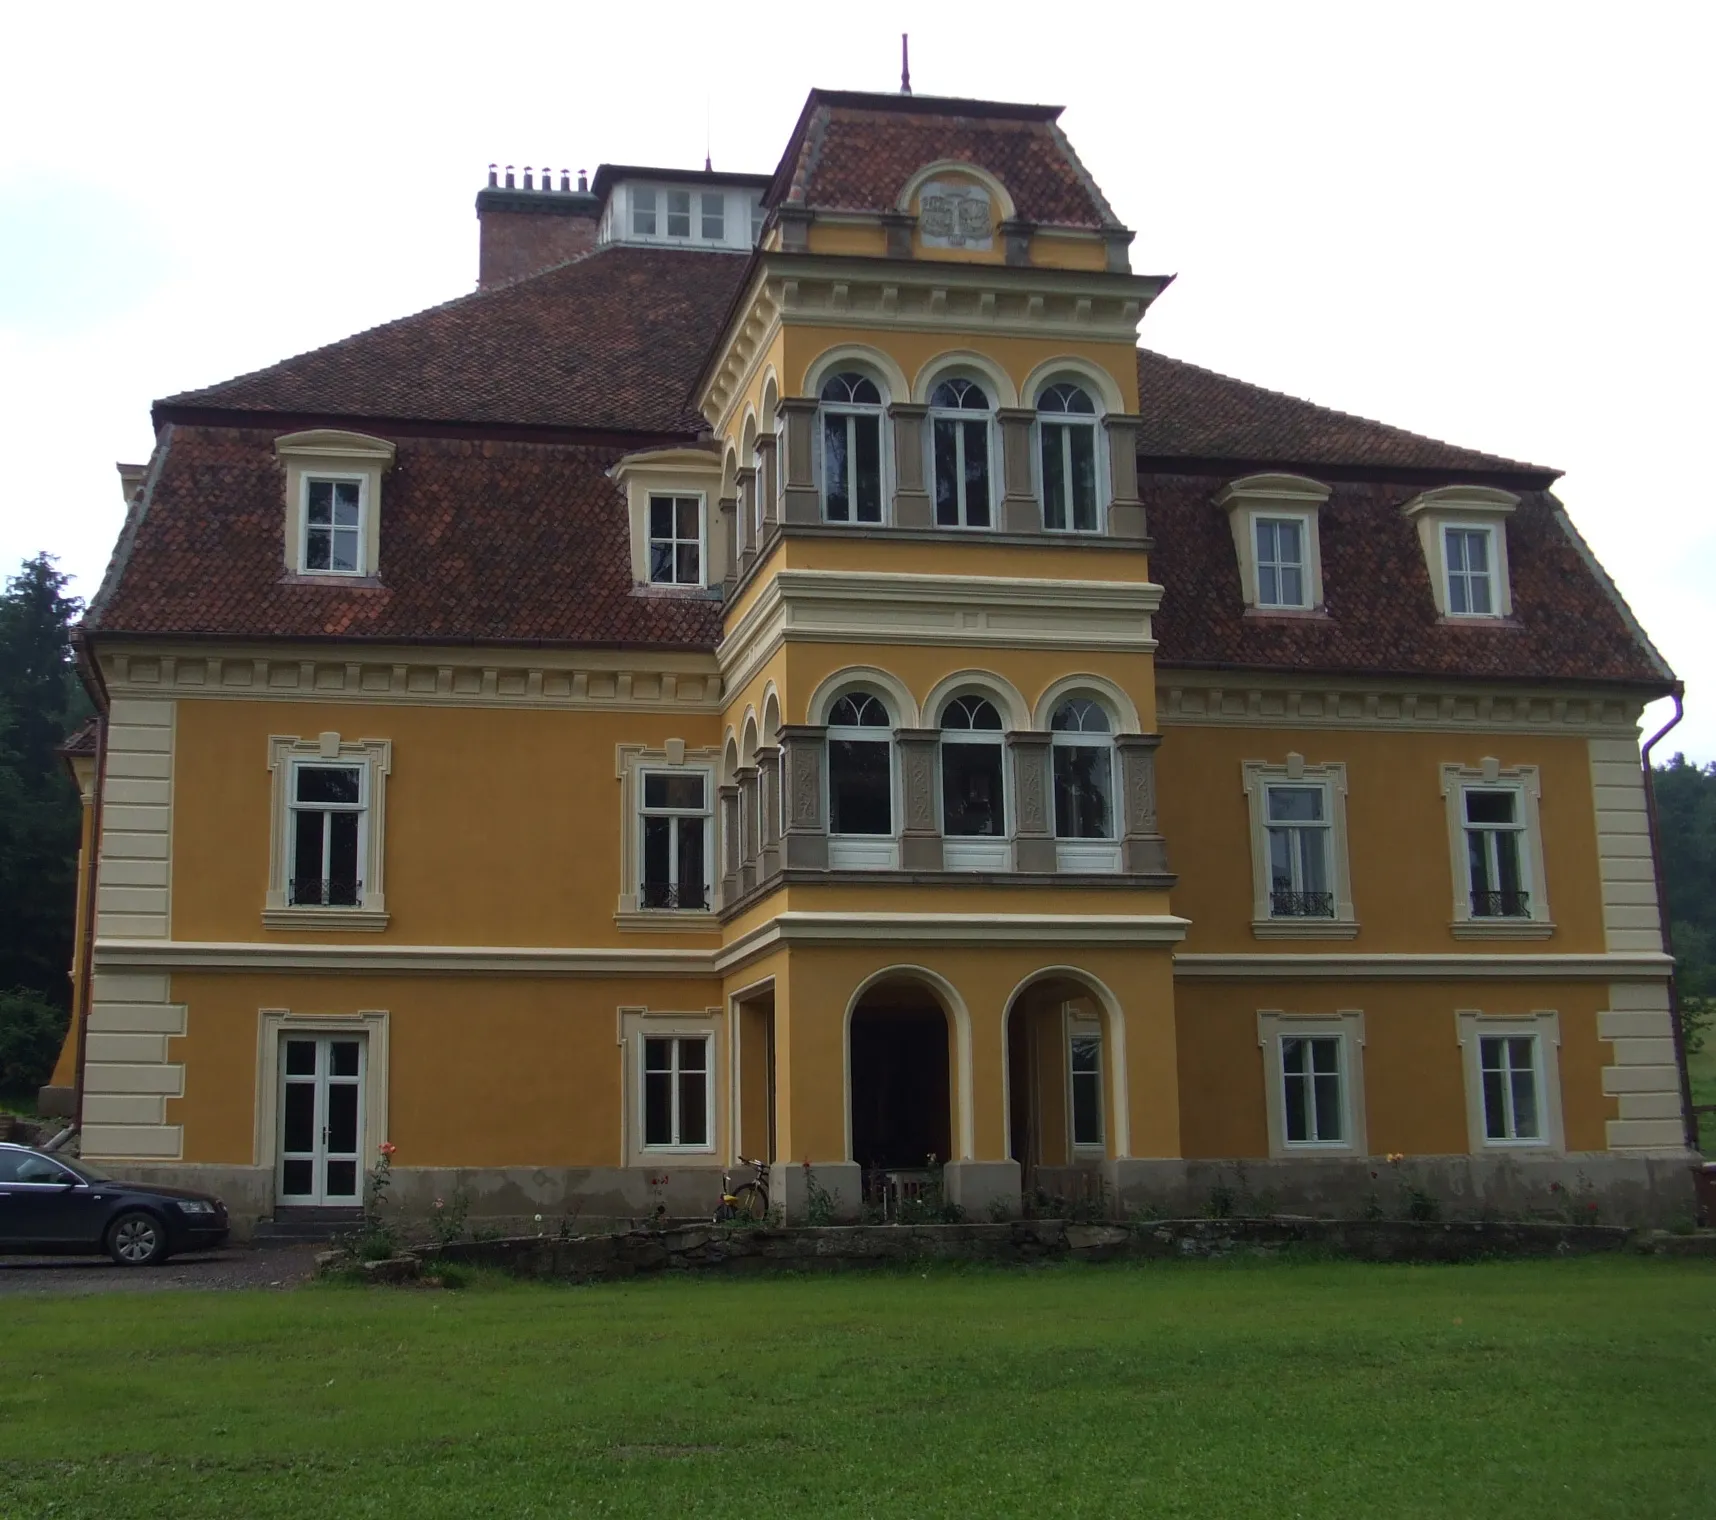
column 905, row 64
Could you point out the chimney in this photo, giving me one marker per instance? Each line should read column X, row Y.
column 526, row 230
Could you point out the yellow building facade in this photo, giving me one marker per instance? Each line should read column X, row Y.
column 791, row 679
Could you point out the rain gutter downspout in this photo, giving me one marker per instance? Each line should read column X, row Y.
column 1688, row 1120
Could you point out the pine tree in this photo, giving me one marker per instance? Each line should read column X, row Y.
column 40, row 702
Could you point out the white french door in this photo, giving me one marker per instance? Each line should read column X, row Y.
column 321, row 1120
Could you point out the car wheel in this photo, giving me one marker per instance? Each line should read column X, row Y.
column 137, row 1239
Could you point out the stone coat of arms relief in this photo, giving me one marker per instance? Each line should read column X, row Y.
column 955, row 216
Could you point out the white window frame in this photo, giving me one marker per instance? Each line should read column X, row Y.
column 676, row 1146
column 1306, row 524
column 1524, row 781
column 863, row 852
column 286, row 753
column 1086, row 1029
column 1345, row 1025
column 334, row 478
column 1484, row 508
column 1466, row 579
column 1099, row 453
column 704, row 197
column 630, row 763
column 850, row 410
column 650, row 540
column 963, row 416
column 975, row 852
column 1087, row 854
column 643, row 198
column 680, row 815
column 669, row 213
column 634, row 1025
column 1543, row 1027
column 1258, row 776
column 1276, row 498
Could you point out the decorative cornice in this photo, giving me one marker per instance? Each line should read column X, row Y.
column 1253, row 699
column 966, row 610
column 1245, row 967
column 637, row 680
column 920, row 295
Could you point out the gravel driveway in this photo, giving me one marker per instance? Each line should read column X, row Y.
column 238, row 1267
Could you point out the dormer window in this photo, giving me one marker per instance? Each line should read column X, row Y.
column 676, row 540
column 712, row 223
column 1468, row 556
column 333, row 501
column 679, row 213
column 960, row 415
column 1463, row 530
column 333, row 525
column 1281, row 577
column 643, row 211
column 1275, row 533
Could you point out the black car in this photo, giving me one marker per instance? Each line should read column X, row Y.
column 51, row 1205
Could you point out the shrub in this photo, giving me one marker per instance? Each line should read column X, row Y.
column 31, row 1032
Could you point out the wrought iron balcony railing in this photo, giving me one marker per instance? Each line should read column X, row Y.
column 323, row 892
column 667, row 894
column 1501, row 904
column 1301, row 904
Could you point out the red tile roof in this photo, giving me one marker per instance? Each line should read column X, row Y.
column 1193, row 413
column 855, row 152
column 481, row 541
column 486, row 539
column 1568, row 624
column 610, row 341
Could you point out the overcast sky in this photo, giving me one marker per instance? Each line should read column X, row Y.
column 1486, row 222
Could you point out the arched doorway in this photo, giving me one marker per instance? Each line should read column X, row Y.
column 1059, row 1124
column 900, row 1065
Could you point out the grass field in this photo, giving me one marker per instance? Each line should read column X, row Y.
column 1299, row 1388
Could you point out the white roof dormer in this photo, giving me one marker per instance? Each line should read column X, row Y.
column 679, row 537
column 1464, row 533
column 1274, row 520
column 333, row 502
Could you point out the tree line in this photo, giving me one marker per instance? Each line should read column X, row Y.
column 41, row 702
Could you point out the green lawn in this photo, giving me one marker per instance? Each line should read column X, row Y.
column 1562, row 1389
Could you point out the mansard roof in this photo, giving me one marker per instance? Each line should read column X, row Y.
column 853, row 151
column 500, row 522
column 482, row 541
column 608, row 342
column 1195, row 414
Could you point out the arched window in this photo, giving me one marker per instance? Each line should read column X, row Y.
column 1066, row 432
column 851, row 448
column 960, row 417
column 973, row 794
column 860, row 768
column 1083, row 743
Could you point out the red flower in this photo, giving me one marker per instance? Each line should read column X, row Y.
column 387, row 1147
column 1592, row 1207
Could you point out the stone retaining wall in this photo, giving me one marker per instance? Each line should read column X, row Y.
column 1022, row 1242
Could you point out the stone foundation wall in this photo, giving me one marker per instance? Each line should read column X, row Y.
column 595, row 1258
column 1636, row 1191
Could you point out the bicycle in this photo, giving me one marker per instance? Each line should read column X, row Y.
column 748, row 1201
